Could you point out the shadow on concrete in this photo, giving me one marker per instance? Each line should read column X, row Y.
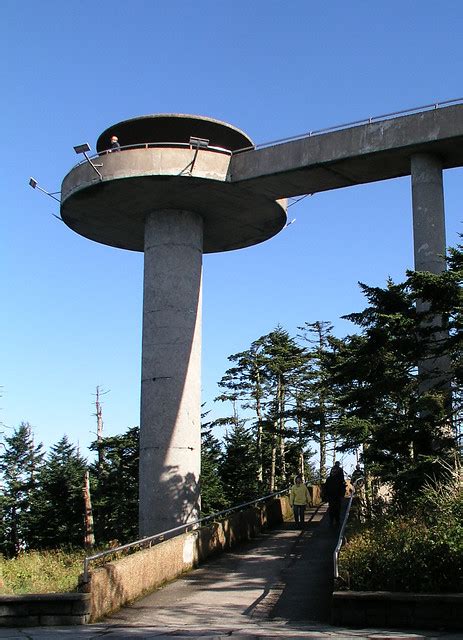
column 307, row 579
column 285, row 574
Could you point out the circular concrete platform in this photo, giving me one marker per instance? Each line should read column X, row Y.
column 155, row 174
column 174, row 127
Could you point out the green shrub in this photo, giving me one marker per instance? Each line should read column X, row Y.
column 421, row 552
column 405, row 555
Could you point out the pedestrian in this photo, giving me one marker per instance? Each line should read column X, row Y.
column 334, row 491
column 115, row 146
column 338, row 469
column 357, row 473
column 299, row 498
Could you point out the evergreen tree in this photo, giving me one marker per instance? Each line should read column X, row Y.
column 57, row 504
column 115, row 487
column 317, row 408
column 238, row 469
column 265, row 381
column 284, row 362
column 213, row 497
column 20, row 462
column 398, row 409
column 244, row 383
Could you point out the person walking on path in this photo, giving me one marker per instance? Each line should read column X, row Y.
column 299, row 498
column 334, row 491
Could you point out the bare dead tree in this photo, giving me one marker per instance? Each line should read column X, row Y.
column 89, row 540
column 99, row 426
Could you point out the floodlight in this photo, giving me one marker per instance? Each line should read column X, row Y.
column 82, row 148
column 35, row 185
column 199, row 143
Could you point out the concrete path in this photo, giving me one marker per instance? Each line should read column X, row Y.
column 277, row 586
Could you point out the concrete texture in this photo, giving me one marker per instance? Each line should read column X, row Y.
column 428, row 213
column 357, row 155
column 170, row 422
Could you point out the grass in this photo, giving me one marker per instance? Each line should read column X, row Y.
column 55, row 571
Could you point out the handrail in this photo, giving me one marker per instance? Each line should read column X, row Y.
column 263, row 145
column 355, row 123
column 152, row 145
column 344, row 523
column 158, row 537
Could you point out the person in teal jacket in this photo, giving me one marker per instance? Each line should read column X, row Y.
column 299, row 498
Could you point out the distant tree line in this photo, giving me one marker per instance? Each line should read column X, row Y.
column 392, row 391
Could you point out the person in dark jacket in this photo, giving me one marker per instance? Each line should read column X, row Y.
column 334, row 491
column 115, row 146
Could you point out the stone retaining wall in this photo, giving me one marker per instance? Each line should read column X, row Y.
column 387, row 610
column 44, row 609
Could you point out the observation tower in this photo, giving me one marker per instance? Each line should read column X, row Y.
column 167, row 192
column 178, row 188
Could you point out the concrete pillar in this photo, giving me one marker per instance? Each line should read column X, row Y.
column 170, row 431
column 430, row 249
column 428, row 213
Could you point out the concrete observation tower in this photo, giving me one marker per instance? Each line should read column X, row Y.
column 179, row 188
column 167, row 193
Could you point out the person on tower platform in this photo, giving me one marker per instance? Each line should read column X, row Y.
column 115, row 146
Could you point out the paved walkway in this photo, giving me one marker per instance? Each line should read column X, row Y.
column 277, row 586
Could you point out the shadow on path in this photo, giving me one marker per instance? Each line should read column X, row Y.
column 283, row 574
column 307, row 579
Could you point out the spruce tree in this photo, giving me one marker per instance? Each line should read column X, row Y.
column 317, row 408
column 239, row 466
column 20, row 463
column 115, row 487
column 57, row 504
column 213, row 497
column 398, row 410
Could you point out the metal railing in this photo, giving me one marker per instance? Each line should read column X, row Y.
column 263, row 145
column 159, row 537
column 355, row 123
column 358, row 482
column 153, row 145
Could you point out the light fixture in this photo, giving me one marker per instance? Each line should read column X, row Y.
column 82, row 148
column 85, row 148
column 35, row 185
column 199, row 143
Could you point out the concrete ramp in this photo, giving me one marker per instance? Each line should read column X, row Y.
column 284, row 574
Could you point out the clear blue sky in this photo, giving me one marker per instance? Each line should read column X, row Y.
column 71, row 308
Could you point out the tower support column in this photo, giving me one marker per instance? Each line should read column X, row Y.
column 430, row 249
column 170, row 423
column 428, row 213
